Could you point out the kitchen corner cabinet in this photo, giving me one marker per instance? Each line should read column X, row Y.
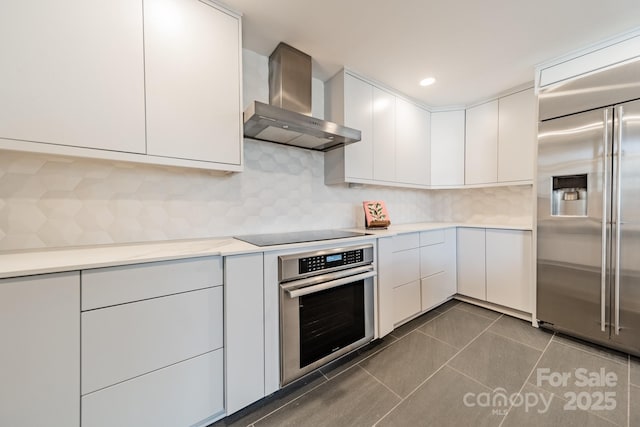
column 424, row 273
column 496, row 266
column 111, row 82
column 394, row 149
column 40, row 356
column 500, row 140
column 447, row 148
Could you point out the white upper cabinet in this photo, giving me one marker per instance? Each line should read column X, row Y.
column 516, row 136
column 447, row 148
column 358, row 114
column 412, row 143
column 192, row 69
column 384, row 135
column 150, row 82
column 72, row 74
column 481, row 153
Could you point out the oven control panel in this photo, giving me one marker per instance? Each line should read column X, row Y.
column 306, row 264
column 324, row 262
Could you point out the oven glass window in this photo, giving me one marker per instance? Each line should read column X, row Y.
column 330, row 320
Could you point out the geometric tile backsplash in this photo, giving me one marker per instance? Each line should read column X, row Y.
column 52, row 201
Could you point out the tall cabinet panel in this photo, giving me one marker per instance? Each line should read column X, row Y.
column 412, row 143
column 447, row 148
column 481, row 153
column 516, row 136
column 40, row 357
column 384, row 135
column 72, row 73
column 358, row 114
column 192, row 64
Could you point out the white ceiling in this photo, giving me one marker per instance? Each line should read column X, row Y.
column 475, row 49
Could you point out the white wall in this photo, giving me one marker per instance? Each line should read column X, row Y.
column 49, row 201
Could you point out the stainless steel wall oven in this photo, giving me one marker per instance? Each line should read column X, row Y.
column 326, row 307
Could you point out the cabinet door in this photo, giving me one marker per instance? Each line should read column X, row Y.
column 516, row 136
column 40, row 356
column 183, row 394
column 406, row 266
column 412, row 143
column 72, row 73
column 192, row 72
column 481, row 151
column 244, row 330
column 167, row 330
column 509, row 268
column 471, row 262
column 406, row 301
column 384, row 135
column 358, row 114
column 447, row 148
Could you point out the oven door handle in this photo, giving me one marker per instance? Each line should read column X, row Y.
column 301, row 290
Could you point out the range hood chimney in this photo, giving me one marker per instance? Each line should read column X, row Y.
column 287, row 118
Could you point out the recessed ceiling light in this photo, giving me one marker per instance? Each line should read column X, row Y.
column 428, row 81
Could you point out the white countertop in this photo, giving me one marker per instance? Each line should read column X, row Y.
column 24, row 263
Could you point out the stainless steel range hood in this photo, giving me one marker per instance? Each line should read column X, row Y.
column 287, row 118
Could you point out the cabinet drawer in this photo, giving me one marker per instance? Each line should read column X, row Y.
column 406, row 266
column 431, row 237
column 102, row 287
column 179, row 395
column 436, row 289
column 432, row 259
column 128, row 340
column 406, row 301
column 402, row 242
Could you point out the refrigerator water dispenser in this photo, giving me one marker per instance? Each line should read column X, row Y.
column 569, row 195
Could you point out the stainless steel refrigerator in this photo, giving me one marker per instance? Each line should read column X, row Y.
column 588, row 207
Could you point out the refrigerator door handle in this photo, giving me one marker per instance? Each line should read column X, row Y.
column 618, row 184
column 605, row 185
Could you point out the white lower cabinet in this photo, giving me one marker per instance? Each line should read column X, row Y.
column 509, row 274
column 406, row 301
column 40, row 355
column 244, row 330
column 424, row 272
column 471, row 263
column 158, row 361
column 183, row 394
column 496, row 266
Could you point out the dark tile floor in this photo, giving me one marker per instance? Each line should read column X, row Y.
column 461, row 365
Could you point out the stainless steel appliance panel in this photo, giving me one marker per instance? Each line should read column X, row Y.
column 573, row 282
column 626, row 215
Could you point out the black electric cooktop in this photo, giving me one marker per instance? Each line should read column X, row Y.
column 297, row 237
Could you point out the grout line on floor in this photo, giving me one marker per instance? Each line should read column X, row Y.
column 568, row 344
column 440, row 313
column 471, row 378
column 437, row 339
column 378, row 380
column 457, row 306
column 437, row 370
column 289, row 402
column 515, row 340
column 526, row 380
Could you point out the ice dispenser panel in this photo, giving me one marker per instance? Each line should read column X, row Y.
column 569, row 195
